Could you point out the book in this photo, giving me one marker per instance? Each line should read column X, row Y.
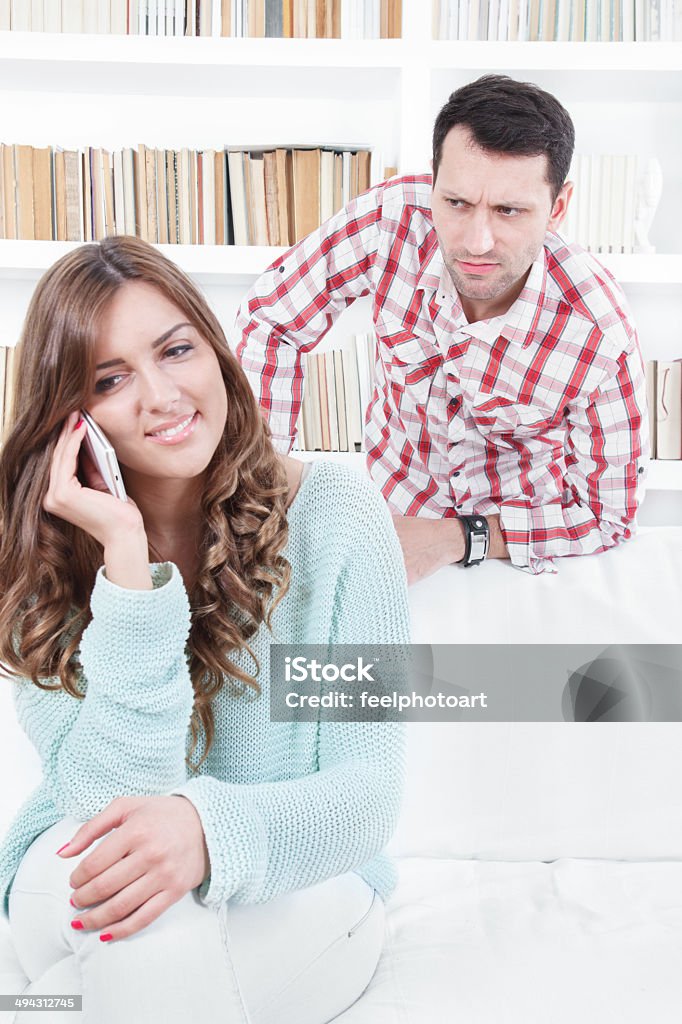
column 11, row 226
column 257, row 199
column 24, row 191
column 284, row 163
column 238, row 200
column 108, row 189
column 324, row 401
column 73, row 173
column 161, row 197
column 306, row 172
column 332, row 399
column 129, row 189
column 150, row 181
column 352, row 395
column 172, row 195
column 341, row 411
column 271, row 200
column 119, row 204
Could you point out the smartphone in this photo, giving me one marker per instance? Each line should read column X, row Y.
column 103, row 455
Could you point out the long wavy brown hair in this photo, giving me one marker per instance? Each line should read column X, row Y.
column 48, row 566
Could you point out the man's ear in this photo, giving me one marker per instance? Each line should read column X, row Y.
column 560, row 207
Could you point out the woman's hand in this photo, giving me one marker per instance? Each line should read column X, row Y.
column 116, row 524
column 156, row 854
column 91, row 508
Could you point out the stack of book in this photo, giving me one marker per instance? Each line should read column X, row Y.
column 338, row 388
column 322, row 19
column 212, row 197
column 601, row 212
column 574, row 21
column 6, row 389
column 664, row 398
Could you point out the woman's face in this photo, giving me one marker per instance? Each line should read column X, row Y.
column 158, row 393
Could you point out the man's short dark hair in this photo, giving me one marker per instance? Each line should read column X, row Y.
column 506, row 116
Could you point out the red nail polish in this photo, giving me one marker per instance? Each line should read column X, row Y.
column 106, row 937
column 78, row 424
column 77, row 925
column 62, row 847
column 72, row 903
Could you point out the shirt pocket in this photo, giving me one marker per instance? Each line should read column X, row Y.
column 503, row 419
column 414, row 368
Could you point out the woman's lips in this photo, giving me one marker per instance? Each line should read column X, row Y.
column 477, row 268
column 176, row 438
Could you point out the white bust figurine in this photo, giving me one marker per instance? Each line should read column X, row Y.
column 648, row 196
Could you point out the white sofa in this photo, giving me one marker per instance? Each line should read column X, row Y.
column 540, row 864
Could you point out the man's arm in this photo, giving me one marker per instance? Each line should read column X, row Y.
column 606, row 458
column 429, row 544
column 607, row 452
column 295, row 302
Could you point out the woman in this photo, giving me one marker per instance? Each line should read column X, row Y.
column 114, row 658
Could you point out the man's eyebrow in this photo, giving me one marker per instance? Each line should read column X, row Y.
column 509, row 202
column 155, row 344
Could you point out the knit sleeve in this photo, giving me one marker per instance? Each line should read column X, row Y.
column 127, row 736
column 268, row 838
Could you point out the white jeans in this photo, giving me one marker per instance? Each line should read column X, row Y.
column 302, row 958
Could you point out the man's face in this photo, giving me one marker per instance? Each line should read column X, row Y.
column 493, row 210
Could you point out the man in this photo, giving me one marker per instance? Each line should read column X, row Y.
column 508, row 417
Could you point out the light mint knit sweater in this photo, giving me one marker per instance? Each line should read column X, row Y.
column 283, row 805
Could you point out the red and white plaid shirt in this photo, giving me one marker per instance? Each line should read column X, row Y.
column 538, row 415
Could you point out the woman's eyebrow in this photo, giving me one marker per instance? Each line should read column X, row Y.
column 155, row 344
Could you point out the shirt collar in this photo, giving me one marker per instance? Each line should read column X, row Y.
column 429, row 276
column 519, row 323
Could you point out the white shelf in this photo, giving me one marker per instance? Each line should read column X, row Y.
column 45, row 48
column 220, row 264
column 66, row 49
column 665, row 475
column 237, row 264
column 638, row 268
column 556, row 56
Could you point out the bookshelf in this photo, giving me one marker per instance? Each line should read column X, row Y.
column 114, row 91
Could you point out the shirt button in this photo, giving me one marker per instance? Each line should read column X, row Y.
column 627, row 534
column 461, row 505
column 641, row 469
column 456, row 473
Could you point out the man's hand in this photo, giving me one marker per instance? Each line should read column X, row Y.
column 156, row 854
column 428, row 544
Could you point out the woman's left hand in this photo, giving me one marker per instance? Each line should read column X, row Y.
column 156, row 854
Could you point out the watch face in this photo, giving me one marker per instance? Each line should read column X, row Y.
column 478, row 539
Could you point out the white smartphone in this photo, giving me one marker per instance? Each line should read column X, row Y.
column 103, row 455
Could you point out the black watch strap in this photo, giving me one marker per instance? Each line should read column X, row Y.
column 476, row 538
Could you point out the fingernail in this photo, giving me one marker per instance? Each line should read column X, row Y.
column 72, row 903
column 78, row 424
column 106, row 937
column 62, row 847
column 77, row 925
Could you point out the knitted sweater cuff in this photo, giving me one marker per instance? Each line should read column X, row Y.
column 136, row 634
column 235, row 838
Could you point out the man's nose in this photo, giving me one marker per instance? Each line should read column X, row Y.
column 478, row 236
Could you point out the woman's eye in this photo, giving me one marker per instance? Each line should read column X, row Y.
column 107, row 383
column 178, row 349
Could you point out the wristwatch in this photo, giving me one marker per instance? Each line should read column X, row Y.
column 476, row 538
